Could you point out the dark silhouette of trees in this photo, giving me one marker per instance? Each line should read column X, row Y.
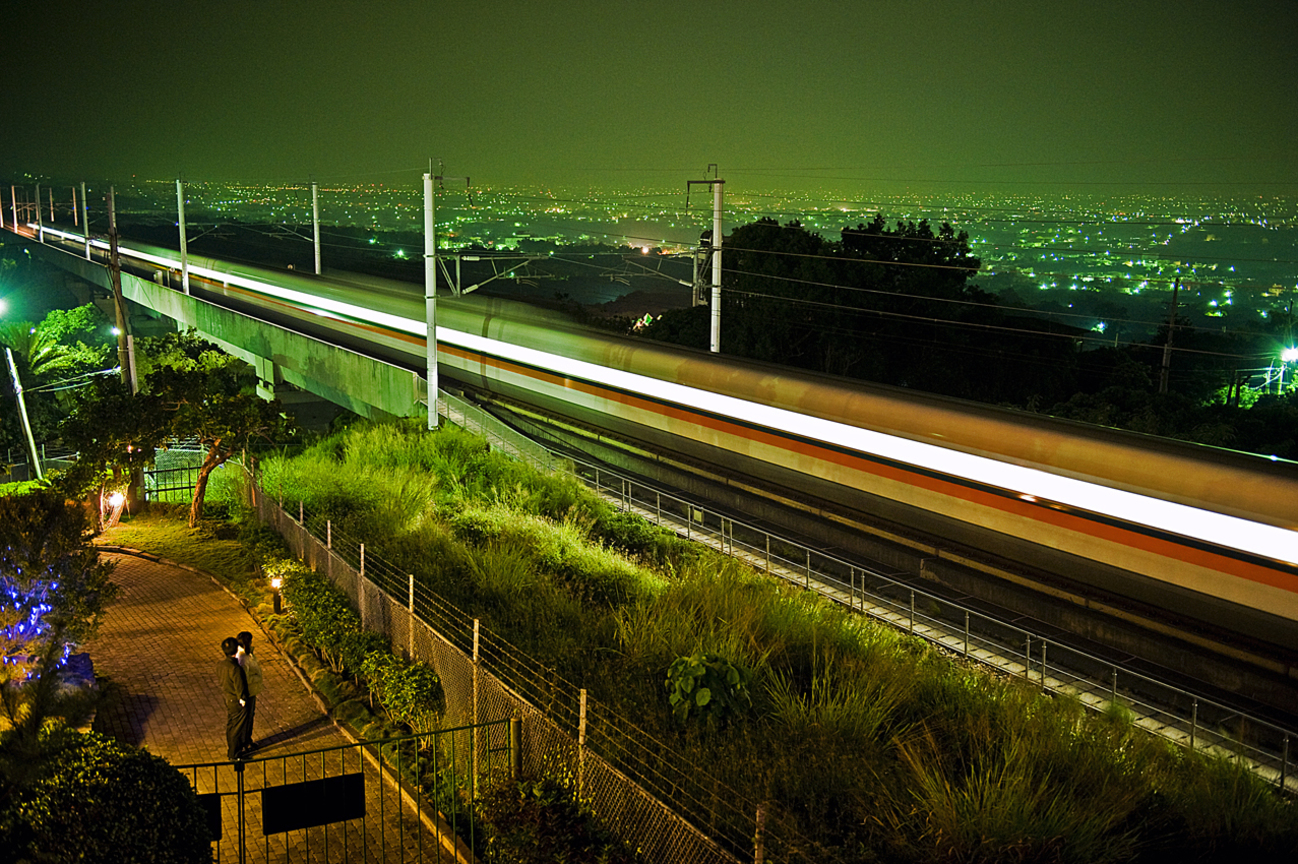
column 886, row 304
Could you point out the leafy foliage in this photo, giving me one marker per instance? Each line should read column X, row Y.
column 99, row 800
column 537, row 820
column 709, row 686
column 410, row 693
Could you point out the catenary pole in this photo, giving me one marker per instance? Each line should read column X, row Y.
column 315, row 221
column 125, row 356
column 85, row 219
column 184, row 248
column 430, row 295
column 717, row 186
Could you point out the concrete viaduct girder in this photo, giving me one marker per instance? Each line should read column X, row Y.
column 361, row 384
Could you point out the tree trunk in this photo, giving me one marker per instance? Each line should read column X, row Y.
column 213, row 460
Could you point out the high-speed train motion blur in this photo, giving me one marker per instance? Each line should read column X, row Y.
column 1212, row 531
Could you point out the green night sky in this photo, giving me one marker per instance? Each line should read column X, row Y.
column 975, row 95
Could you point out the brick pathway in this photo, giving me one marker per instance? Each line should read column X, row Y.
column 159, row 648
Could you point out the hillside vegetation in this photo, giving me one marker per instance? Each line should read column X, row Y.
column 869, row 744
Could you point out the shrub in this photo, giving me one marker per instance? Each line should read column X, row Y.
column 410, row 693
column 536, row 820
column 103, row 801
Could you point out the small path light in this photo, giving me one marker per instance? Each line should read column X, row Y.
column 276, row 585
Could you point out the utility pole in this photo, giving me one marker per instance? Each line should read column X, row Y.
column 85, row 219
column 51, row 191
column 125, row 354
column 1167, row 346
column 184, row 248
column 315, row 221
column 430, row 294
column 717, row 185
column 13, row 202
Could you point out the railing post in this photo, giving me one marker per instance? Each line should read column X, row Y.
column 966, row 632
column 581, row 747
column 1284, row 762
column 759, row 836
column 768, row 554
column 912, row 611
column 1194, row 721
column 1027, row 658
column 301, row 511
column 329, row 534
column 658, row 506
column 808, row 574
column 1043, row 664
column 362, row 560
column 1113, row 694
column 515, row 747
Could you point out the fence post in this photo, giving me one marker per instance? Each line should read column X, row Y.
column 1113, row 694
column 410, row 637
column 966, row 632
column 658, row 506
column 581, row 747
column 476, row 668
column 362, row 560
column 515, row 747
column 1194, row 721
column 759, row 836
column 329, row 534
column 1043, row 664
column 301, row 511
column 807, row 585
column 912, row 611
column 768, row 554
column 1027, row 658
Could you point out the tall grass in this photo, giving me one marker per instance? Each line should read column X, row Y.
column 869, row 741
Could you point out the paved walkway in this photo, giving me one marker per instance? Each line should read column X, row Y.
column 159, row 649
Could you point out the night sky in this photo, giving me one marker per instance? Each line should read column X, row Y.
column 1112, row 96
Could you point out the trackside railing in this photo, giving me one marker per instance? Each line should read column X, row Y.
column 1184, row 717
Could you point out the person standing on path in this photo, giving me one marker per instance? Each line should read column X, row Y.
column 252, row 672
column 234, row 686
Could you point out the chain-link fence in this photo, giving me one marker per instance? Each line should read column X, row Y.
column 637, row 786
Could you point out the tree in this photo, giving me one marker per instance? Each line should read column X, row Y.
column 45, row 353
column 114, row 432
column 207, row 394
column 54, row 590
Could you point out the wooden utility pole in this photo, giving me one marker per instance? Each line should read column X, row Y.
column 1167, row 346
